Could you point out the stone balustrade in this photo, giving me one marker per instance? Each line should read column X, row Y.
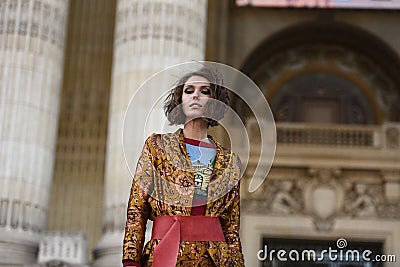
column 330, row 135
column 65, row 248
column 385, row 136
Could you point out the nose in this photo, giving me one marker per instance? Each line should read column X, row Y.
column 196, row 94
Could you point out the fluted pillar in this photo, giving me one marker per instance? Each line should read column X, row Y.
column 150, row 35
column 32, row 35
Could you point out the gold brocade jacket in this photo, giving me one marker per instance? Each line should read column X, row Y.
column 163, row 185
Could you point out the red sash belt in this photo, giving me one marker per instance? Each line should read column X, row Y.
column 172, row 229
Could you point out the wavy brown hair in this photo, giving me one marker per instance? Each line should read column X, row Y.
column 215, row 110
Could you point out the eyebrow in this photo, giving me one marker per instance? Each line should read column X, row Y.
column 191, row 85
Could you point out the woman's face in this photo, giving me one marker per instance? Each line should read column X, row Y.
column 196, row 92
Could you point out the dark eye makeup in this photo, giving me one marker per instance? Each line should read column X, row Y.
column 188, row 90
column 204, row 91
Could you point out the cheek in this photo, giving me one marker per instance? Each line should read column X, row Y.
column 184, row 104
column 184, row 97
column 205, row 98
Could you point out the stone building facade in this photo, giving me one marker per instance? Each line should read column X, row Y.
column 68, row 69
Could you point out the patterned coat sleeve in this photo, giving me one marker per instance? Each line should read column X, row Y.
column 138, row 210
column 230, row 221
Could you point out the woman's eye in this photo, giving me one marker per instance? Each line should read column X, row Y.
column 206, row 91
column 188, row 90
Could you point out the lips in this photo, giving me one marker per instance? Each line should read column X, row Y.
column 195, row 105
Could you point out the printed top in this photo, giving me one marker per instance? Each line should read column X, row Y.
column 202, row 156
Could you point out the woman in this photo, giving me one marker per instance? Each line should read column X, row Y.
column 188, row 184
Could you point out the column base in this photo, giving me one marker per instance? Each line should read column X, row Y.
column 17, row 248
column 108, row 251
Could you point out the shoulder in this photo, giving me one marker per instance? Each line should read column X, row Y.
column 159, row 136
column 152, row 137
column 227, row 153
column 155, row 140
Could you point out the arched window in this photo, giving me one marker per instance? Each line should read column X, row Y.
column 321, row 97
column 316, row 73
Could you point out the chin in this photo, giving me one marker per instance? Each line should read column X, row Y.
column 194, row 115
column 200, row 117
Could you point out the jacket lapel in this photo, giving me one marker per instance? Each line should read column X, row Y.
column 222, row 158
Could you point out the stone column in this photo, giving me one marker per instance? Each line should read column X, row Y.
column 149, row 36
column 32, row 35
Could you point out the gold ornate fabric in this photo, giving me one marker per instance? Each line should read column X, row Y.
column 163, row 185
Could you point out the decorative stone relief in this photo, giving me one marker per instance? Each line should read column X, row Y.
column 363, row 200
column 287, row 198
column 324, row 197
column 276, row 197
column 327, row 194
column 373, row 197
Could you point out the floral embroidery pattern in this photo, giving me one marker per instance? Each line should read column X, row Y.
column 163, row 185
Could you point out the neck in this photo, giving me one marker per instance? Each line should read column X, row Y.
column 195, row 129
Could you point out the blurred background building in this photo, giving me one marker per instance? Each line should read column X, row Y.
column 329, row 69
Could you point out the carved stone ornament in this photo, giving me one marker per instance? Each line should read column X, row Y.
column 287, row 198
column 276, row 197
column 324, row 197
column 377, row 198
column 364, row 200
